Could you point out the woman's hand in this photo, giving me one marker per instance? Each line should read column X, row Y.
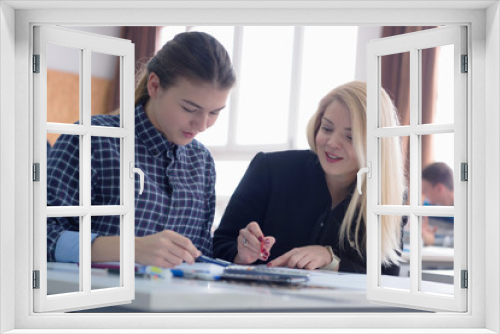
column 165, row 249
column 252, row 245
column 308, row 257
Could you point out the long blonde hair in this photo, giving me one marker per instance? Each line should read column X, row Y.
column 353, row 96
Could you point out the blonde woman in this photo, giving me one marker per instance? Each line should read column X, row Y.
column 299, row 209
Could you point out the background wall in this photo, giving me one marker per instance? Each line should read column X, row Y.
column 365, row 34
column 63, row 81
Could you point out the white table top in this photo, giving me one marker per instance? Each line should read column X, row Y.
column 434, row 254
column 325, row 292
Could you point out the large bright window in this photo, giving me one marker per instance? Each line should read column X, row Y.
column 282, row 73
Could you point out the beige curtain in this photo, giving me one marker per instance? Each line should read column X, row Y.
column 145, row 40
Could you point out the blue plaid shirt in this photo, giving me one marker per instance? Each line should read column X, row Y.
column 179, row 187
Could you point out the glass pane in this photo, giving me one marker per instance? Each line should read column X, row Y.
column 438, row 231
column 63, row 86
column 105, row 188
column 63, row 272
column 437, row 255
column 324, row 58
column 105, row 95
column 105, row 274
column 63, row 172
column 389, row 281
column 405, row 265
column 395, row 79
column 438, row 88
column 437, row 169
column 389, row 169
column 264, row 85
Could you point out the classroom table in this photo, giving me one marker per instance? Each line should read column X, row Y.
column 433, row 257
column 443, row 276
column 325, row 292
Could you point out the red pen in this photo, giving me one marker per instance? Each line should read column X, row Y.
column 262, row 247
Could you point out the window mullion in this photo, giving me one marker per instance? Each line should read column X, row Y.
column 85, row 172
column 415, row 236
column 127, row 154
column 460, row 188
column 296, row 80
column 233, row 115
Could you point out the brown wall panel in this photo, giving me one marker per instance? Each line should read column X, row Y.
column 63, row 98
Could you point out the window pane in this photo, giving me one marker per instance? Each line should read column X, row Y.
column 440, row 91
column 392, row 67
column 323, row 69
column 63, row 172
column 405, row 265
column 106, row 275
column 104, row 68
column 106, row 182
column 387, row 172
column 63, row 86
column 264, row 85
column 437, row 169
column 62, row 277
column 388, row 281
column 437, row 254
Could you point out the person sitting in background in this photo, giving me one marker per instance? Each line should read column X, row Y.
column 437, row 189
column 300, row 209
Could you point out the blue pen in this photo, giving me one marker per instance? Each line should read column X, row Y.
column 208, row 259
column 194, row 274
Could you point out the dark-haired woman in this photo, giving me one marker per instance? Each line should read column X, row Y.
column 181, row 93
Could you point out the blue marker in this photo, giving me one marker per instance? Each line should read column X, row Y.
column 208, row 259
column 202, row 275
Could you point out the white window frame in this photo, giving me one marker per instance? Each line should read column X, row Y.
column 483, row 293
column 414, row 43
column 86, row 43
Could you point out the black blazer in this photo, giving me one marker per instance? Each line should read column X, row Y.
column 286, row 193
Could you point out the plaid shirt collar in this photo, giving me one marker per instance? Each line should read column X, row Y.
column 156, row 143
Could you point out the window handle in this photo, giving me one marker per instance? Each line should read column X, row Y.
column 361, row 172
column 134, row 170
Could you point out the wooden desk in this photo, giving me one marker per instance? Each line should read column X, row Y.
column 332, row 292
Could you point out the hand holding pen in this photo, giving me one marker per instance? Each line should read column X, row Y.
column 253, row 245
column 165, row 249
